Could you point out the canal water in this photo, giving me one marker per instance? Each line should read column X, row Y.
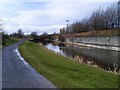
column 105, row 59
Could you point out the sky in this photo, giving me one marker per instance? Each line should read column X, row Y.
column 46, row 15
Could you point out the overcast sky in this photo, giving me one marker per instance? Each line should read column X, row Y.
column 46, row 15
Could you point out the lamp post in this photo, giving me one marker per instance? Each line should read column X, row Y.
column 67, row 25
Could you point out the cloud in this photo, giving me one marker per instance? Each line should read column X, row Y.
column 50, row 18
column 30, row 28
column 58, row 0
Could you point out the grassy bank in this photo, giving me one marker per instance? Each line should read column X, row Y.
column 99, row 33
column 10, row 41
column 63, row 72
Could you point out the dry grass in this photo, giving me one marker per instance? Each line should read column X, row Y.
column 95, row 33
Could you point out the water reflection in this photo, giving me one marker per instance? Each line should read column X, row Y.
column 55, row 48
column 102, row 58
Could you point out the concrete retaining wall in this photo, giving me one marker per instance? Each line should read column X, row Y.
column 104, row 41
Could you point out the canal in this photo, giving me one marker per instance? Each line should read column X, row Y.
column 106, row 59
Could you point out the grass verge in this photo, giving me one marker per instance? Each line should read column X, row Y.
column 96, row 33
column 63, row 72
column 11, row 41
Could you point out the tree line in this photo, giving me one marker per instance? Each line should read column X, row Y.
column 99, row 20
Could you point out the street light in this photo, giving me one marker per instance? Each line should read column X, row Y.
column 67, row 25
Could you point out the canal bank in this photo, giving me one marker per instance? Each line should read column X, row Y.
column 66, row 73
column 101, row 58
column 114, row 48
column 103, row 42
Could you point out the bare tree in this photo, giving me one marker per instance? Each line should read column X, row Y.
column 33, row 34
column 20, row 33
column 99, row 20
